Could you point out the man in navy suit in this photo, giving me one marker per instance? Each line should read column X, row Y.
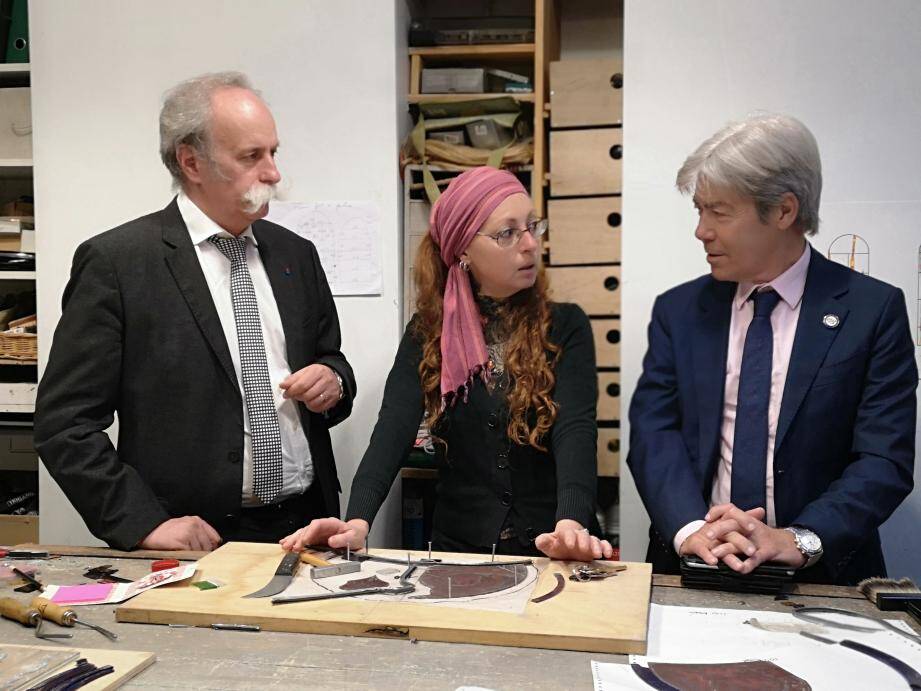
column 775, row 417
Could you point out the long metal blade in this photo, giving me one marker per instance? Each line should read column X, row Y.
column 282, row 578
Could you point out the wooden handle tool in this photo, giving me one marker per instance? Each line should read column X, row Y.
column 52, row 612
column 26, row 615
column 312, row 559
column 19, row 611
column 65, row 616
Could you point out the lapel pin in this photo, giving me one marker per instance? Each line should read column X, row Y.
column 287, row 271
column 831, row 321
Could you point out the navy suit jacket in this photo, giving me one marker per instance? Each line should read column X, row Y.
column 845, row 445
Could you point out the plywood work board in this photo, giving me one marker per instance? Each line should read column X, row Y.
column 608, row 616
column 126, row 663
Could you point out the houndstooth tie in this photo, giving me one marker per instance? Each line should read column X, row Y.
column 257, row 389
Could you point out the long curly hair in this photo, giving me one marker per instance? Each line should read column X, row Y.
column 530, row 357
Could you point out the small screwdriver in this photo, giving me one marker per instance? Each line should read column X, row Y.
column 27, row 616
column 65, row 616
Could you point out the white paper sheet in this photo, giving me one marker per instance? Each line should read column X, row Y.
column 347, row 235
column 696, row 635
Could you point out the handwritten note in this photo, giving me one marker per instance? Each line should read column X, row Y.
column 347, row 235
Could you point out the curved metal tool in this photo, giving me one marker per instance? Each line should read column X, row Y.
column 650, row 678
column 282, row 578
column 812, row 614
column 907, row 673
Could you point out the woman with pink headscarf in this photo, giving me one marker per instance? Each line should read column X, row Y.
column 503, row 377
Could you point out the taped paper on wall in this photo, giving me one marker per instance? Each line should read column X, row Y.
column 347, row 235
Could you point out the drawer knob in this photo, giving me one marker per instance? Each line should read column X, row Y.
column 613, row 336
column 613, row 219
column 611, row 283
column 617, row 80
column 614, row 445
column 613, row 389
column 617, row 152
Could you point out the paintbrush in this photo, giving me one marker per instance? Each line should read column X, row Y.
column 893, row 596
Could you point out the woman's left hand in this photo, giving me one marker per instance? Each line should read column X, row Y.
column 571, row 542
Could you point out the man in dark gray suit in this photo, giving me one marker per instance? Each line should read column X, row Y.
column 214, row 336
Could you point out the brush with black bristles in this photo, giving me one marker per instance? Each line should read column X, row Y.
column 893, row 596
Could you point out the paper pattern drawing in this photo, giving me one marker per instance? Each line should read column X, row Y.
column 494, row 588
column 696, row 635
column 347, row 235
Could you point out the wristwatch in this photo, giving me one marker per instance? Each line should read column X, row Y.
column 807, row 542
column 339, row 381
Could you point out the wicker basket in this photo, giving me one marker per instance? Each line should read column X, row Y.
column 18, row 346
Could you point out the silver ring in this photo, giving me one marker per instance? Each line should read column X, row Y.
column 323, row 396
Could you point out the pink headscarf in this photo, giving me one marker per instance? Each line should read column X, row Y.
column 456, row 217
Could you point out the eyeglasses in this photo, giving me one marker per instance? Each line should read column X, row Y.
column 509, row 237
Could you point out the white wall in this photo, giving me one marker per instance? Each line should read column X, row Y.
column 850, row 70
column 331, row 72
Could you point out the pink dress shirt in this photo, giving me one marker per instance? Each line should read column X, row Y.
column 790, row 286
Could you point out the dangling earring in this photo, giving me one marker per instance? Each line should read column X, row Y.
column 464, row 265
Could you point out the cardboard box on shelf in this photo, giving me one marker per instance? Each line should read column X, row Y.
column 486, row 134
column 453, row 80
column 449, row 136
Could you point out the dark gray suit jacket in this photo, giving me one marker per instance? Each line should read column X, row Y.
column 140, row 335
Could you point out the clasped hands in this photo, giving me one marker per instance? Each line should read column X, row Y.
column 568, row 541
column 741, row 540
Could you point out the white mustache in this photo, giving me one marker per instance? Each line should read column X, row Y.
column 258, row 196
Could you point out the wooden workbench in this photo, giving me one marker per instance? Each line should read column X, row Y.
column 207, row 659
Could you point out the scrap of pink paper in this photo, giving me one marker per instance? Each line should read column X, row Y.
column 82, row 593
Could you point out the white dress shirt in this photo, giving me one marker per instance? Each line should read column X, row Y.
column 790, row 286
column 297, row 466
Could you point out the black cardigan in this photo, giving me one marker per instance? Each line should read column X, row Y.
column 485, row 478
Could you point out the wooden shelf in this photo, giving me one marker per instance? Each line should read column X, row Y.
column 15, row 68
column 15, row 167
column 18, row 397
column 451, row 98
column 17, row 275
column 504, row 50
column 531, row 59
column 15, row 74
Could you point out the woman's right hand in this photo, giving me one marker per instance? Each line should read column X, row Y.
column 328, row 531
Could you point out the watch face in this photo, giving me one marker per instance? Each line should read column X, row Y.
column 811, row 542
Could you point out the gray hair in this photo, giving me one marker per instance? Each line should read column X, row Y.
column 186, row 116
column 761, row 157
